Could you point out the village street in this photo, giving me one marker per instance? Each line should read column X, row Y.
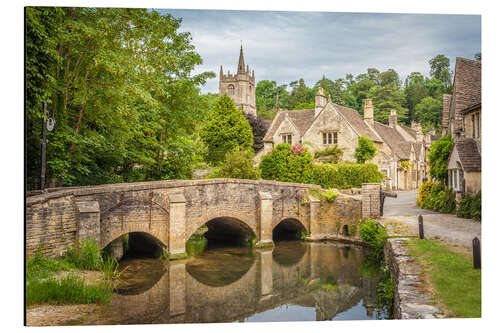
column 401, row 213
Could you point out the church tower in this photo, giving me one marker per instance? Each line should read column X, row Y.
column 240, row 86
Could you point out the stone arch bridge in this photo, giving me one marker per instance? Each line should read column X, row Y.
column 171, row 211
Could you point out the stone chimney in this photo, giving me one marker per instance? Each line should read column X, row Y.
column 393, row 119
column 420, row 133
column 319, row 101
column 368, row 111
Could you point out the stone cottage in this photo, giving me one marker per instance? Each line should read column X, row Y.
column 330, row 124
column 462, row 120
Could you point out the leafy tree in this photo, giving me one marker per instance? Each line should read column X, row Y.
column 440, row 69
column 304, row 106
column 300, row 94
column 259, row 129
column 239, row 164
column 365, row 150
column 389, row 77
column 439, row 152
column 225, row 130
column 386, row 98
column 122, row 93
column 334, row 89
column 428, row 111
column 477, row 56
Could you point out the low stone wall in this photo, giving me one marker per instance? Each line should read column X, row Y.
column 51, row 224
column 409, row 301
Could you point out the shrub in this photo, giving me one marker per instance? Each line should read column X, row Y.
column 39, row 267
column 438, row 157
column 284, row 165
column 440, row 198
column 424, row 191
column 374, row 235
column 470, row 207
column 343, row 175
column 330, row 195
column 365, row 150
column 334, row 152
column 239, row 164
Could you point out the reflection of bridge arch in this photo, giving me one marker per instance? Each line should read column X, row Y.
column 282, row 254
column 210, row 271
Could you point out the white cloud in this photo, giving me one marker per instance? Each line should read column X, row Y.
column 286, row 46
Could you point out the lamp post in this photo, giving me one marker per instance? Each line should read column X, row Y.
column 44, row 147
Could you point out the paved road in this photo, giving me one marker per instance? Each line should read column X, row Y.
column 404, row 204
column 402, row 213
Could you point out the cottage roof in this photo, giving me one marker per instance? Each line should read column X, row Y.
column 410, row 131
column 394, row 140
column 357, row 122
column 466, row 88
column 302, row 119
column 469, row 154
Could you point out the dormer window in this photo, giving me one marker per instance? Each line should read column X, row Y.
column 286, row 138
column 330, row 137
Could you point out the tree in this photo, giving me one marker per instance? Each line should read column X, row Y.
column 477, row 56
column 239, row 164
column 334, row 89
column 259, row 129
column 365, row 150
column 428, row 111
column 386, row 98
column 300, row 94
column 439, row 152
column 440, row 69
column 225, row 130
column 121, row 91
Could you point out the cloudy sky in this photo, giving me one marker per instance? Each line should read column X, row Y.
column 286, row 46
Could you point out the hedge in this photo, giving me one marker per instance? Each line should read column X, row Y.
column 342, row 175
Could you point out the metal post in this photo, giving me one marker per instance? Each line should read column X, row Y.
column 44, row 147
column 476, row 253
column 421, row 227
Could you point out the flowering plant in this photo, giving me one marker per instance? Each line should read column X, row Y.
column 297, row 149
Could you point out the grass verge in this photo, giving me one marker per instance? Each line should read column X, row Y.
column 456, row 283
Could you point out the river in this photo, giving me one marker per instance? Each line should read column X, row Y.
column 294, row 281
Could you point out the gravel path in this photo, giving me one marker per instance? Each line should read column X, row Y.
column 401, row 217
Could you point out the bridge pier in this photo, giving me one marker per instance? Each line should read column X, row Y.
column 177, row 226
column 314, row 229
column 265, row 224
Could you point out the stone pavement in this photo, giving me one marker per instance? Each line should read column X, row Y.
column 401, row 217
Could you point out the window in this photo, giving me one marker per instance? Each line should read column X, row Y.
column 230, row 89
column 287, row 138
column 330, row 138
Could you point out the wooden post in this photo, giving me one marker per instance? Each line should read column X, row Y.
column 476, row 253
column 421, row 227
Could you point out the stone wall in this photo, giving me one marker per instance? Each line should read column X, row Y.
column 51, row 224
column 409, row 300
column 371, row 200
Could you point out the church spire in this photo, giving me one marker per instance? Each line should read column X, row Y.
column 241, row 61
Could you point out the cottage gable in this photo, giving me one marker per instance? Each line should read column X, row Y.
column 286, row 131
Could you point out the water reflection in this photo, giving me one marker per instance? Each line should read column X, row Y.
column 294, row 281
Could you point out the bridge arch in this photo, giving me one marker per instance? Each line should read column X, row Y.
column 225, row 223
column 289, row 228
column 137, row 243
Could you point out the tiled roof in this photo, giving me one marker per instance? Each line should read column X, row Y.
column 410, row 131
column 445, row 122
column 395, row 140
column 357, row 122
column 302, row 119
column 466, row 88
column 469, row 154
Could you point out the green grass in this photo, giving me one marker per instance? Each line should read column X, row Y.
column 68, row 290
column 456, row 282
